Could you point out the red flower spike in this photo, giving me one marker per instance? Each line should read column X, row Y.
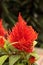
column 2, row 30
column 24, row 35
column 2, row 41
column 32, row 60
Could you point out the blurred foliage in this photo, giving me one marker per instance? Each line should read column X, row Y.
column 31, row 10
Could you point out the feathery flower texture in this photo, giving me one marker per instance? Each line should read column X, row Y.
column 23, row 36
column 2, row 30
column 2, row 41
column 2, row 34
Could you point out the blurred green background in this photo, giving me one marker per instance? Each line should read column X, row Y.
column 31, row 10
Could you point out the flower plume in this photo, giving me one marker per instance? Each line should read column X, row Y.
column 23, row 34
column 2, row 30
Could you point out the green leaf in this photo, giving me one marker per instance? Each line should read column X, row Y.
column 2, row 59
column 28, row 56
column 13, row 59
column 6, row 46
column 19, row 64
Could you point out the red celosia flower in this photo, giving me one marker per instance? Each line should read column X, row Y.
column 32, row 60
column 22, row 36
column 2, row 41
column 2, row 30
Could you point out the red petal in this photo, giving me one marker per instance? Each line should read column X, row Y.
column 2, row 41
column 2, row 30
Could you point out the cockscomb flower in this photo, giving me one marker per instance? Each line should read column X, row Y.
column 32, row 60
column 2, row 30
column 22, row 36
